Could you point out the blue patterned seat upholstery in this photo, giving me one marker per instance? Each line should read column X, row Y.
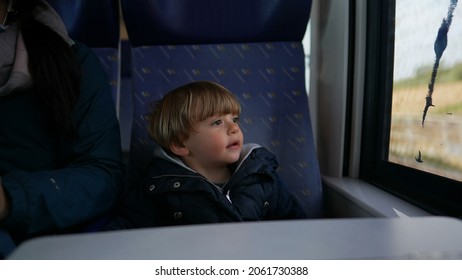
column 95, row 23
column 266, row 74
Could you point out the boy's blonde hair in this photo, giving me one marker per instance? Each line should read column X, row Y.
column 173, row 118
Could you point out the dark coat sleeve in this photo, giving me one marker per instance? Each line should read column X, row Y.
column 282, row 203
column 89, row 183
column 135, row 211
column 288, row 206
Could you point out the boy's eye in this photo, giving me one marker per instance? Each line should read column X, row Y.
column 236, row 119
column 217, row 122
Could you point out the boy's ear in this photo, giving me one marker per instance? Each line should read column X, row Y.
column 179, row 149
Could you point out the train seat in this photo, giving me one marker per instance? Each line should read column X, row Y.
column 251, row 47
column 96, row 23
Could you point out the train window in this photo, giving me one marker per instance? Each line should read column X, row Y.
column 426, row 123
column 413, row 102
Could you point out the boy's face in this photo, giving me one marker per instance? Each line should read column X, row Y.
column 216, row 141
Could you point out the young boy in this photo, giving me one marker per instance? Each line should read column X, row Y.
column 202, row 172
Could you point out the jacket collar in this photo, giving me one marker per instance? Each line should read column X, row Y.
column 247, row 149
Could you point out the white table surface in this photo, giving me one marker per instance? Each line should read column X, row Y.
column 361, row 238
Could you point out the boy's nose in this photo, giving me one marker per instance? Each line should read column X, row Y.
column 233, row 128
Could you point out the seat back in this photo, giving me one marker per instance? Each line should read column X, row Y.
column 96, row 23
column 254, row 49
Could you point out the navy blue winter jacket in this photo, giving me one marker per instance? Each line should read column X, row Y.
column 173, row 194
column 54, row 185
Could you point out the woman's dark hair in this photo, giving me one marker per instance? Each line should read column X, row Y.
column 54, row 68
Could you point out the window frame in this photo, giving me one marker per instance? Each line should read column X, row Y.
column 435, row 194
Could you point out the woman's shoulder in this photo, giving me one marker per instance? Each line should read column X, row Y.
column 82, row 50
column 86, row 56
column 94, row 78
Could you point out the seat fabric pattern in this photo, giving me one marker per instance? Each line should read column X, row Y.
column 268, row 79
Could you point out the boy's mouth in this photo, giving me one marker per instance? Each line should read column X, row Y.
column 234, row 145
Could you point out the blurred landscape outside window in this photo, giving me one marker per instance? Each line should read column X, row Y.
column 426, row 121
